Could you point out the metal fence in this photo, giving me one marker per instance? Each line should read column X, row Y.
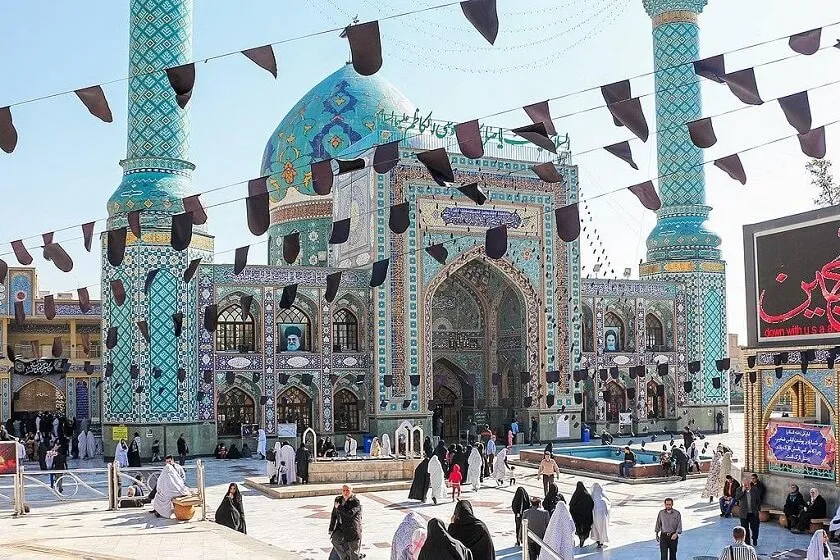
column 25, row 489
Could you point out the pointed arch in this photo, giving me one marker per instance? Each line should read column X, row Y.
column 533, row 318
column 615, row 399
column 294, row 405
column 654, row 333
column 234, row 408
column 233, row 333
column 346, row 410
column 787, row 386
column 38, row 395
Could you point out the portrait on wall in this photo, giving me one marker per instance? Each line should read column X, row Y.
column 612, row 339
column 293, row 338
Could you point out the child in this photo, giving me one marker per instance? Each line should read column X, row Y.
column 512, row 480
column 284, row 471
column 455, row 481
column 156, row 451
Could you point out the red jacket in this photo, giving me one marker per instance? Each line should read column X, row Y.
column 455, row 476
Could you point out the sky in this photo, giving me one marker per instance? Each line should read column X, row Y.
column 67, row 162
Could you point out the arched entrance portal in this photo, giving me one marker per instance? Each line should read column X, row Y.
column 479, row 342
column 38, row 396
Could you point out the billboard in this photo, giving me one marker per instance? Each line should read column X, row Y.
column 803, row 449
column 8, row 457
column 792, row 270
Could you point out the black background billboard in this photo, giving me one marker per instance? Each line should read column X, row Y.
column 793, row 280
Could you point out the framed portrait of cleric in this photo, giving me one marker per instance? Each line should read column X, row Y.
column 294, row 337
column 612, row 339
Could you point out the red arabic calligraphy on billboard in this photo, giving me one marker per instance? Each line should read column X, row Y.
column 796, row 295
column 8, row 457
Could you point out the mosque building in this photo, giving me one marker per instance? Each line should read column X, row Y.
column 464, row 337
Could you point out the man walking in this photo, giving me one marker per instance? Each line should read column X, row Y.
column 668, row 530
column 749, row 501
column 537, row 519
column 740, row 550
column 346, row 525
column 183, row 449
column 535, row 431
column 548, row 469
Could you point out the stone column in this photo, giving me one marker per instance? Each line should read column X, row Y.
column 156, row 175
column 681, row 248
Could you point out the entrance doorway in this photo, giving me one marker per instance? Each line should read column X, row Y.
column 448, row 409
column 38, row 396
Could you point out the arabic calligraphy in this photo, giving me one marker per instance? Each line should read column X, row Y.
column 803, row 444
column 445, row 129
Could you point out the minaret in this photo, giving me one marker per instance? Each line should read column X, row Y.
column 156, row 175
column 681, row 248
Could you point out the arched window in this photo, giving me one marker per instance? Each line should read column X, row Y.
column 345, row 331
column 346, row 411
column 614, row 398
column 235, row 408
column 294, row 330
column 588, row 331
column 655, row 400
column 232, row 333
column 613, row 333
column 654, row 339
column 295, row 407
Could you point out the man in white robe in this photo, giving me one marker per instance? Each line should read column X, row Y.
column 386, row 445
column 437, row 480
column 600, row 515
column 287, row 454
column 350, row 446
column 475, row 464
column 169, row 485
column 261, row 444
column 560, row 534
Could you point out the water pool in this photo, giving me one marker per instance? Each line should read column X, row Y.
column 609, row 453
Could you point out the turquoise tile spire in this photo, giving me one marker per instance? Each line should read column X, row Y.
column 681, row 247
column 156, row 175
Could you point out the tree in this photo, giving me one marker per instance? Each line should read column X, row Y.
column 823, row 179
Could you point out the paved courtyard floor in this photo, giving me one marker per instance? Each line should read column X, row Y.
column 299, row 525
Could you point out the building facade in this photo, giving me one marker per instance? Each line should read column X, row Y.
column 48, row 365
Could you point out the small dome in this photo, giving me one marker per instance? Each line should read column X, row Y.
column 338, row 118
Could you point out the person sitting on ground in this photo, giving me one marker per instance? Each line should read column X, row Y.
column 665, row 463
column 606, row 438
column 233, row 453
column 246, row 451
column 221, row 451
column 814, row 509
column 169, row 485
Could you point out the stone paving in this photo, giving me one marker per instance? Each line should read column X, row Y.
column 299, row 525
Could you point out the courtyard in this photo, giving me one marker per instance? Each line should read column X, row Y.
column 297, row 527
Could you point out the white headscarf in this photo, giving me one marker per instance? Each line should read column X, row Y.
column 404, row 534
column 499, row 467
column 169, row 485
column 386, row 445
column 835, row 523
column 817, row 548
column 560, row 534
column 474, row 465
column 121, row 454
column 600, row 514
column 437, row 480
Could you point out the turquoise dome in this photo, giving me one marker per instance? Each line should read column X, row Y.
column 338, row 118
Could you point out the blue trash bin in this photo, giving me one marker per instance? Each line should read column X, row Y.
column 585, row 434
column 367, row 440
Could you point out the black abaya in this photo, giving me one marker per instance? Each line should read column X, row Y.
column 521, row 502
column 134, row 454
column 460, row 458
column 440, row 545
column 440, row 453
column 551, row 499
column 581, row 506
column 471, row 532
column 427, row 447
column 231, row 513
column 302, row 459
column 421, row 483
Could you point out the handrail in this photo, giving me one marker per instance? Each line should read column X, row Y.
column 528, row 534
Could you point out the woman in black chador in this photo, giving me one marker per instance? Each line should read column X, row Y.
column 520, row 503
column 231, row 513
column 471, row 532
column 421, row 483
column 440, row 453
column 440, row 545
column 302, row 459
column 552, row 497
column 581, row 506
